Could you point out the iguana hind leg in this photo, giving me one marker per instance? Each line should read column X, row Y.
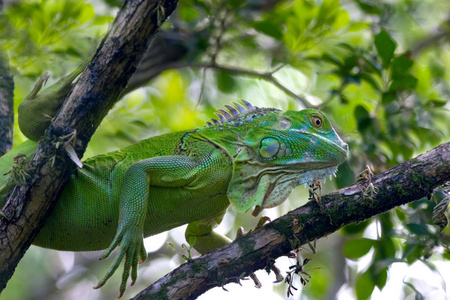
column 205, row 238
column 40, row 104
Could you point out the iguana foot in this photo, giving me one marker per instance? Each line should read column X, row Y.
column 370, row 190
column 313, row 194
column 18, row 174
column 132, row 249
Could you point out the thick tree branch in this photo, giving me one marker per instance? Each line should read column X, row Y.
column 6, row 106
column 407, row 182
column 93, row 95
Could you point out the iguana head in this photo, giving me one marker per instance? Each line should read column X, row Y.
column 274, row 151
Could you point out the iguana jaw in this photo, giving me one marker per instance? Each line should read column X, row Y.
column 339, row 151
column 287, row 182
column 274, row 198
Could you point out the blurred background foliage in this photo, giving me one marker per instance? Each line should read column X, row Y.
column 378, row 69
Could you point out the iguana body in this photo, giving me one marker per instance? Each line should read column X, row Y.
column 251, row 157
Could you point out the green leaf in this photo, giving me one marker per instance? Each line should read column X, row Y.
column 401, row 65
column 363, row 118
column 331, row 59
column 371, row 7
column 268, row 28
column 102, row 20
column 347, row 47
column 357, row 248
column 364, row 286
column 355, row 228
column 411, row 252
column 345, row 176
column 407, row 149
column 446, row 255
column 192, row 240
column 387, row 97
column 344, row 100
column 385, row 46
column 385, row 248
column 358, row 26
column 403, row 83
column 370, row 80
column 400, row 214
column 436, row 102
column 419, row 229
column 225, row 82
column 373, row 65
column 381, row 278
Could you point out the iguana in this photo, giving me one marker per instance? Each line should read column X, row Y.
column 248, row 157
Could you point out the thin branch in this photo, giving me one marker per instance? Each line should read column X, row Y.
column 267, row 76
column 440, row 35
column 219, row 36
column 404, row 183
column 202, row 89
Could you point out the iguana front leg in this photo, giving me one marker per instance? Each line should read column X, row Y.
column 178, row 179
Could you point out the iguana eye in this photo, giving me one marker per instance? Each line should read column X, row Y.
column 316, row 121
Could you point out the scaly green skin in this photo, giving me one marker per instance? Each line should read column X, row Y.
column 38, row 107
column 254, row 158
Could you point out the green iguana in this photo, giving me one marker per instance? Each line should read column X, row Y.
column 249, row 157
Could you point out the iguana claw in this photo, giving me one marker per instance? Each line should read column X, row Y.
column 132, row 249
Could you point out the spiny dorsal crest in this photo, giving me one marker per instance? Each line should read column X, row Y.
column 236, row 112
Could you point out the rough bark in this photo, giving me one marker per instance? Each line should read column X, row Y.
column 407, row 182
column 6, row 106
column 93, row 95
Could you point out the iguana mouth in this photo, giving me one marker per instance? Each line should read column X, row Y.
column 332, row 147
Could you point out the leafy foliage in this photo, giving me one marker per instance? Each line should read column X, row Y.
column 364, row 63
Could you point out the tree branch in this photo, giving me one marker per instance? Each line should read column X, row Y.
column 6, row 106
column 93, row 95
column 404, row 183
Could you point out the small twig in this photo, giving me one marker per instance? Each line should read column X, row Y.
column 278, row 68
column 432, row 39
column 202, row 89
column 215, row 52
column 218, row 39
column 267, row 76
